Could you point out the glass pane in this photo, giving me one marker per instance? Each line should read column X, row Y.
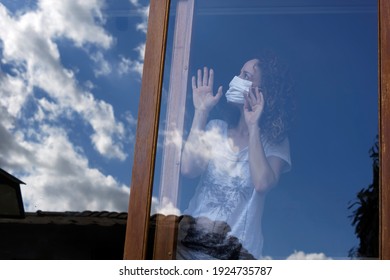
column 268, row 165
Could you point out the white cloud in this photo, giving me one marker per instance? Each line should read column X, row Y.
column 59, row 177
column 12, row 154
column 29, row 44
column 143, row 11
column 126, row 65
column 57, row 173
column 130, row 119
column 103, row 67
column 14, row 93
column 135, row 2
column 137, row 65
column 208, row 144
column 143, row 26
column 79, row 21
column 141, row 51
column 300, row 255
column 164, row 207
column 89, row 85
column 37, row 146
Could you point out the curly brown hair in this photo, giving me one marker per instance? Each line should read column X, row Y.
column 277, row 88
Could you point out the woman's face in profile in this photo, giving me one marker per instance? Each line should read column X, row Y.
column 251, row 72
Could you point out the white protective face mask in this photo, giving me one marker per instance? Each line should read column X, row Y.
column 237, row 87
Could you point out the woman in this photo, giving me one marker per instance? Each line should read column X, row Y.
column 238, row 163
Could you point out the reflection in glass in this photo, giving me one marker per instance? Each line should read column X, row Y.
column 238, row 160
column 232, row 135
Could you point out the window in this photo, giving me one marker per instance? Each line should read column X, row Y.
column 331, row 53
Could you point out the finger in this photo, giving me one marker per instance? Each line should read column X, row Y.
column 261, row 100
column 199, row 77
column 246, row 103
column 254, row 93
column 258, row 95
column 205, row 76
column 219, row 94
column 211, row 79
column 193, row 83
column 251, row 98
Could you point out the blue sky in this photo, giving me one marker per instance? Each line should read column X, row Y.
column 70, row 81
column 70, row 76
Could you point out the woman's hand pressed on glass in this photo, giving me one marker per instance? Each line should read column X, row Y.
column 202, row 88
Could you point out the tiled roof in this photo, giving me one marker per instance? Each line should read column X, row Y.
column 102, row 218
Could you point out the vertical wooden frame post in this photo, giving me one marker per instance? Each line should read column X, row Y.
column 145, row 146
column 165, row 242
column 384, row 76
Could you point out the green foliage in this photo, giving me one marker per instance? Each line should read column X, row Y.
column 365, row 215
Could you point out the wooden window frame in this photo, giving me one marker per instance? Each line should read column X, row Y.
column 148, row 121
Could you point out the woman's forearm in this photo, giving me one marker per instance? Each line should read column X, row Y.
column 193, row 160
column 262, row 174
